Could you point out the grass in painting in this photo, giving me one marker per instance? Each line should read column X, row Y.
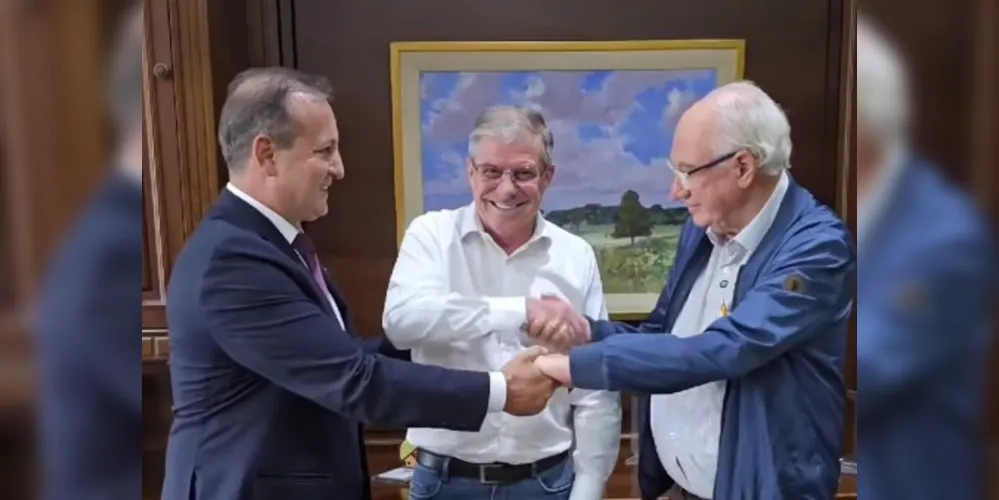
column 635, row 246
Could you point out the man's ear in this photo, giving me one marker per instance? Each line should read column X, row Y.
column 264, row 150
column 749, row 168
column 548, row 174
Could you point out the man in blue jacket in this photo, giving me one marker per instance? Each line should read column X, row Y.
column 924, row 323
column 740, row 366
column 270, row 382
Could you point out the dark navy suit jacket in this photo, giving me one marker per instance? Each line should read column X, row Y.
column 781, row 350
column 269, row 391
column 89, row 338
column 924, row 333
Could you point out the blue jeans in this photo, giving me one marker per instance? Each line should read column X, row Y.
column 552, row 484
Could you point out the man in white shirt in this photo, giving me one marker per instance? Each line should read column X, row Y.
column 464, row 285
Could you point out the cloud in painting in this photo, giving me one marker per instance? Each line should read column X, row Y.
column 613, row 129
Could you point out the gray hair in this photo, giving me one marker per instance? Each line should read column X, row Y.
column 883, row 103
column 257, row 105
column 511, row 124
column 124, row 91
column 749, row 119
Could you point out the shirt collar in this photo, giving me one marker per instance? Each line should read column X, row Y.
column 287, row 229
column 469, row 223
column 751, row 235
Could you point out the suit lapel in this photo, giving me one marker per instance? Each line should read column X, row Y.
column 242, row 214
column 341, row 303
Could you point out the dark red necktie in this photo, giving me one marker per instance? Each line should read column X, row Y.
column 307, row 249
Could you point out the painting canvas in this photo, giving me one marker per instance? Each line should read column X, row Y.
column 612, row 109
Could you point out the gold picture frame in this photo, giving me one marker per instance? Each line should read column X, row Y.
column 423, row 149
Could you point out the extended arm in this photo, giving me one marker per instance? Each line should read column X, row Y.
column 260, row 318
column 936, row 320
column 596, row 418
column 382, row 345
column 420, row 306
column 602, row 329
column 772, row 318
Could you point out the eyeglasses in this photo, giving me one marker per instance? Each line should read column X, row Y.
column 517, row 175
column 684, row 177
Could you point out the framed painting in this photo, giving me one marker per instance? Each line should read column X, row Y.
column 612, row 108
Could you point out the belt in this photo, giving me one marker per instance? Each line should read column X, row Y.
column 494, row 473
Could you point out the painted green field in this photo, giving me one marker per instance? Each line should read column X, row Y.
column 633, row 267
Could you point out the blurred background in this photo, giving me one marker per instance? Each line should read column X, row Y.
column 58, row 141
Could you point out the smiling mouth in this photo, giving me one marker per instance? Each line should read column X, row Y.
column 506, row 207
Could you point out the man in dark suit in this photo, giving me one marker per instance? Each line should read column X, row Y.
column 270, row 381
column 89, row 328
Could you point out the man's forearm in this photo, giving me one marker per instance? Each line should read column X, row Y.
column 602, row 329
column 444, row 319
column 597, row 426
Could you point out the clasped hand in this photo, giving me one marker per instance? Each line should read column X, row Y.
column 554, row 324
column 531, row 378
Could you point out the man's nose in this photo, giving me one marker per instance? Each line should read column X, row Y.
column 506, row 186
column 336, row 168
column 677, row 191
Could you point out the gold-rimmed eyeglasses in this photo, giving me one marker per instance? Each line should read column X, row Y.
column 518, row 175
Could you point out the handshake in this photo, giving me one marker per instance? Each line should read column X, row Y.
column 533, row 375
column 554, row 324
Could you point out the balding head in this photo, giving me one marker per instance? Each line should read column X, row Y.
column 747, row 118
column 260, row 102
column 729, row 150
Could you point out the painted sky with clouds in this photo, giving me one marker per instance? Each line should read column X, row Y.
column 613, row 129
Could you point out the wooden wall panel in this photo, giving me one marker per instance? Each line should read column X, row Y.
column 180, row 175
column 847, row 195
column 7, row 292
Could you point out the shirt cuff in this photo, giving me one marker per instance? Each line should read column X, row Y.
column 497, row 392
column 586, row 367
column 506, row 313
column 587, row 487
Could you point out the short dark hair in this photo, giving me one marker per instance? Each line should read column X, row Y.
column 125, row 73
column 257, row 104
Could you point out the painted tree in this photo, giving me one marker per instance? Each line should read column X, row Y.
column 632, row 218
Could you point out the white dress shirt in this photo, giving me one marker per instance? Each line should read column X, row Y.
column 458, row 300
column 686, row 426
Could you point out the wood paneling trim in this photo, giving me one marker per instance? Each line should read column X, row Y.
column 156, row 347
column 287, row 34
column 985, row 104
column 180, row 177
column 264, row 32
column 195, row 102
column 846, row 200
